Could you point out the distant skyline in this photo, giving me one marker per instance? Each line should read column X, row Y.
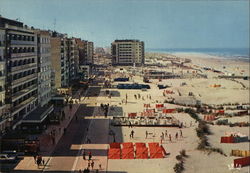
column 159, row 23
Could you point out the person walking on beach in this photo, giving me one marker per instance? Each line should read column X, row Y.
column 92, row 164
column 132, row 133
column 170, row 137
column 162, row 134
column 181, row 133
column 146, row 134
column 162, row 137
column 166, row 133
column 176, row 135
column 130, row 124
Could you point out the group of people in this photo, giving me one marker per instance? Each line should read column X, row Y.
column 165, row 135
column 138, row 96
column 39, row 160
column 91, row 162
column 105, row 108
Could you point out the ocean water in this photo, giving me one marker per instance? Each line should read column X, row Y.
column 241, row 53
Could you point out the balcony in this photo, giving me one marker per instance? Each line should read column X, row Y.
column 23, row 79
column 22, row 67
column 21, row 42
column 23, row 92
column 23, row 104
column 17, row 55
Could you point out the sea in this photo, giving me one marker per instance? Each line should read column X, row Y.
column 232, row 53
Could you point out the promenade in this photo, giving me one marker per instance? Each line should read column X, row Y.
column 47, row 145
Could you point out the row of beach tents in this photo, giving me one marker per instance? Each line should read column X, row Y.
column 128, row 150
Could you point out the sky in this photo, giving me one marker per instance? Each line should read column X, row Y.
column 159, row 23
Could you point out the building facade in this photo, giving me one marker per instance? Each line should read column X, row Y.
column 44, row 67
column 3, row 111
column 59, row 61
column 21, row 70
column 73, row 55
column 90, row 52
column 127, row 52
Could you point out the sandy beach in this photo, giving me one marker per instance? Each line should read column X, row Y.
column 229, row 92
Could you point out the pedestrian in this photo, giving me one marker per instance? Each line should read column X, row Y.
column 166, row 133
column 162, row 134
column 92, row 164
column 132, row 134
column 130, row 124
column 100, row 166
column 146, row 134
column 43, row 162
column 170, row 137
column 97, row 171
column 80, row 171
column 176, row 135
column 90, row 155
column 162, row 138
column 181, row 133
column 84, row 155
column 35, row 157
column 88, row 164
column 39, row 160
column 88, row 141
column 191, row 124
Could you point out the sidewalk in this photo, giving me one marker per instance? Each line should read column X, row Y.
column 99, row 143
column 46, row 143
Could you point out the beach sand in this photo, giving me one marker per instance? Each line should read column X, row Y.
column 197, row 161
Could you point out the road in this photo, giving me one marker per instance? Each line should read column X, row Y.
column 67, row 149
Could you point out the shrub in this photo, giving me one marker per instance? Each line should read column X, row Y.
column 183, row 153
column 179, row 158
column 179, row 167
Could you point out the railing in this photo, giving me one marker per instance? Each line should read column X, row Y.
column 21, row 42
column 24, row 103
column 21, row 67
column 17, row 55
column 17, row 81
column 24, row 91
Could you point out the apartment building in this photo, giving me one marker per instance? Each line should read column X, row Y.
column 73, row 55
column 90, row 52
column 127, row 52
column 3, row 110
column 21, row 70
column 86, row 55
column 44, row 67
column 59, row 61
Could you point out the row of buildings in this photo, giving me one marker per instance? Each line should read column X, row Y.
column 34, row 64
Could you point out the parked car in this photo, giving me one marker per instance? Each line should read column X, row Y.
column 14, row 153
column 5, row 158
